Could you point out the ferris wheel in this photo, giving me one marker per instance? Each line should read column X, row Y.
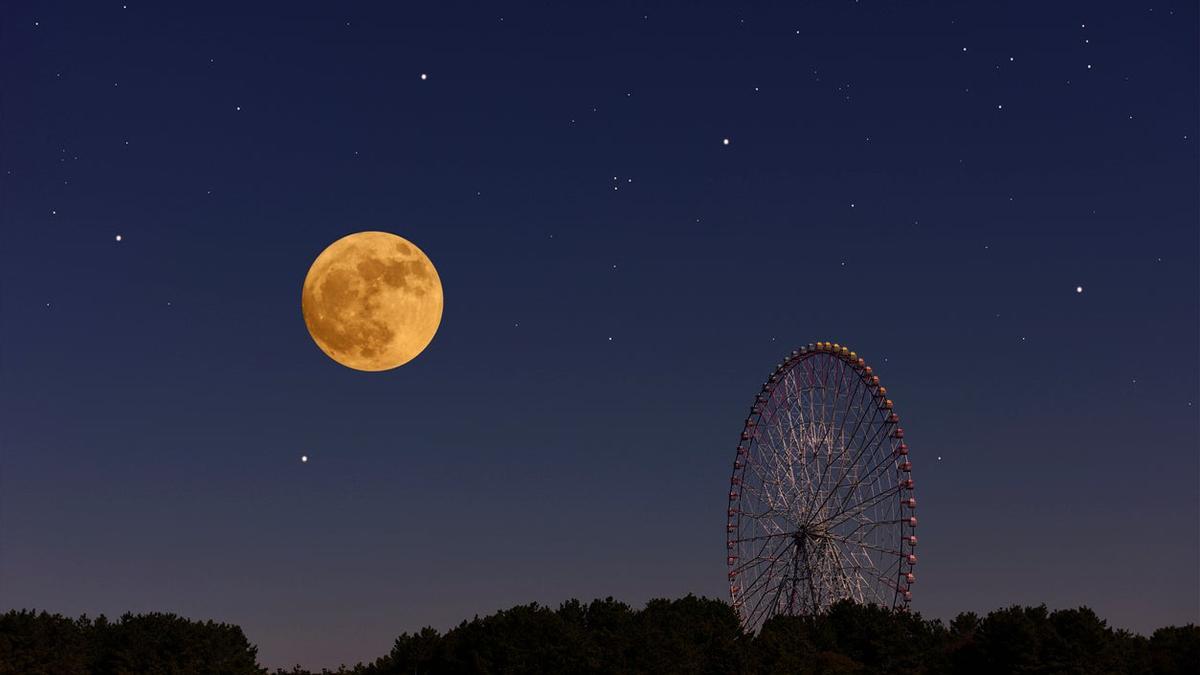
column 821, row 504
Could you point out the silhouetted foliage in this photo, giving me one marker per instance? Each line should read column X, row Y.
column 1175, row 650
column 50, row 644
column 688, row 635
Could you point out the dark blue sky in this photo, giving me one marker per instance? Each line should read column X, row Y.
column 927, row 183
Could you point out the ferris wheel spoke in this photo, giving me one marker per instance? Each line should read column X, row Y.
column 873, row 443
column 779, row 590
column 835, row 487
column 866, row 497
column 793, row 442
column 790, row 489
column 865, row 525
column 840, row 580
column 789, row 580
column 815, row 558
column 798, row 443
column 764, row 590
column 850, row 399
column 830, row 403
column 849, row 587
column 765, row 568
column 850, row 572
column 765, row 573
column 824, row 446
column 863, row 544
column 766, row 536
column 886, row 459
column 852, row 490
column 861, row 507
column 772, row 497
column 782, row 477
column 814, row 386
column 763, row 461
column 888, row 583
column 759, row 557
column 862, row 393
column 759, row 612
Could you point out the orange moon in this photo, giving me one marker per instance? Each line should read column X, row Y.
column 372, row 301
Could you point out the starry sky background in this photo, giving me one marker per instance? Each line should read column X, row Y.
column 928, row 183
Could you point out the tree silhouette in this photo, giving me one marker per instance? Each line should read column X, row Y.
column 49, row 644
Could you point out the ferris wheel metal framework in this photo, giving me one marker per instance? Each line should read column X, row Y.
column 821, row 501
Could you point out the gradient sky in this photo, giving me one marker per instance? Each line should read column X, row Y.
column 926, row 183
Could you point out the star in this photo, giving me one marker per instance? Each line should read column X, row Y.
column 725, row 141
column 303, row 459
column 424, row 76
column 118, row 237
column 1079, row 289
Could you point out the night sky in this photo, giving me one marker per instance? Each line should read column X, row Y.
column 995, row 205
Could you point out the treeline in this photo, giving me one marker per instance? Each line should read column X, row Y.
column 689, row 635
column 51, row 644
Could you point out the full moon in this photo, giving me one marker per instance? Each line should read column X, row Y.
column 372, row 301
